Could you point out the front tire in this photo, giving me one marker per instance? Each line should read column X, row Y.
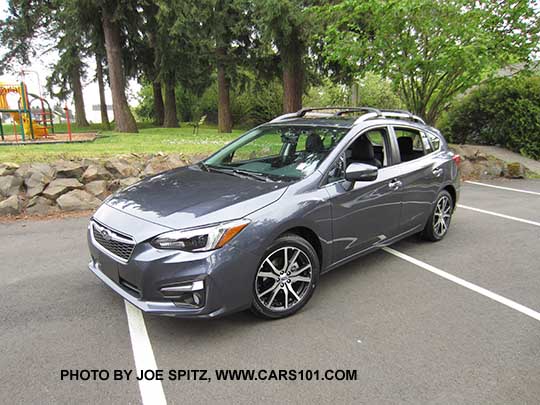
column 439, row 221
column 286, row 278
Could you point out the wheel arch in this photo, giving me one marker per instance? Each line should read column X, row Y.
column 452, row 190
column 309, row 235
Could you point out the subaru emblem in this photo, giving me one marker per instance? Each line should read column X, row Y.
column 106, row 234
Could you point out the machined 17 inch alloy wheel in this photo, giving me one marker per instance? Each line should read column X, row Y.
column 286, row 278
column 439, row 220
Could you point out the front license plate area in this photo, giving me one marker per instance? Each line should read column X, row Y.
column 108, row 267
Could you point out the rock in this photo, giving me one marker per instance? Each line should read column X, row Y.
column 38, row 176
column 41, row 206
column 77, row 200
column 66, row 168
column 43, row 168
column 96, row 172
column 23, row 170
column 8, row 168
column 128, row 182
column 11, row 206
column 161, row 163
column 515, row 170
column 60, row 186
column 85, row 162
column 98, row 188
column 121, row 168
column 478, row 156
column 467, row 170
column 490, row 168
column 119, row 184
column 10, row 185
column 35, row 184
column 136, row 162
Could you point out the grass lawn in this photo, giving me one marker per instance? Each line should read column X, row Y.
column 148, row 140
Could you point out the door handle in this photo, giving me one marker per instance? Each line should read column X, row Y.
column 437, row 171
column 395, row 184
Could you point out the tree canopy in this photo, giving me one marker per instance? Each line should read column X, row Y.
column 420, row 53
column 431, row 50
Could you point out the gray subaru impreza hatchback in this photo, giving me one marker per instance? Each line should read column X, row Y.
column 255, row 224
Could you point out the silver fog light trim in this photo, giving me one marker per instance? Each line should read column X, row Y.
column 194, row 286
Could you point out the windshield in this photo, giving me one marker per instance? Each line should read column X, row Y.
column 278, row 152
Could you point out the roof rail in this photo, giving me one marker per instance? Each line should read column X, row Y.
column 398, row 114
column 370, row 113
column 338, row 112
column 368, row 110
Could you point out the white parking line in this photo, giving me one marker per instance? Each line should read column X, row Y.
column 496, row 214
column 473, row 287
column 502, row 188
column 151, row 390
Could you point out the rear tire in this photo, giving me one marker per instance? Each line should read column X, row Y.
column 286, row 278
column 439, row 221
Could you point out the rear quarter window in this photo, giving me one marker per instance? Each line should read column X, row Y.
column 435, row 141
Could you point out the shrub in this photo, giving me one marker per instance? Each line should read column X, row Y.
column 370, row 90
column 375, row 91
column 505, row 111
column 327, row 93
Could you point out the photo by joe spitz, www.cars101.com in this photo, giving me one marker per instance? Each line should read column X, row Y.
column 256, row 224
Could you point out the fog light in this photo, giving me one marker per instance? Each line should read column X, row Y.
column 190, row 294
column 197, row 298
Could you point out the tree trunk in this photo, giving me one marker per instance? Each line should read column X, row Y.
column 101, row 87
column 159, row 109
column 224, row 102
column 293, row 76
column 78, row 98
column 170, row 119
column 123, row 117
column 151, row 10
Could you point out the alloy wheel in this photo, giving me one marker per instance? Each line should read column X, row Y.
column 284, row 278
column 441, row 216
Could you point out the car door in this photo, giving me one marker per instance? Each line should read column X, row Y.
column 419, row 172
column 363, row 213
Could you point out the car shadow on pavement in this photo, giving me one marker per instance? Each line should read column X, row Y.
column 331, row 286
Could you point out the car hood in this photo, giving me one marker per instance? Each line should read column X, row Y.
column 189, row 196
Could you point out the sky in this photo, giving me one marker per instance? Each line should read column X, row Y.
column 41, row 66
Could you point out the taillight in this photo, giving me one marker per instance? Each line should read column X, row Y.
column 456, row 158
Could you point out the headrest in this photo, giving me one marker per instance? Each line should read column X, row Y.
column 362, row 149
column 405, row 144
column 314, row 144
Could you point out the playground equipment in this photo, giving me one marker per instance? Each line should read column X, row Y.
column 22, row 115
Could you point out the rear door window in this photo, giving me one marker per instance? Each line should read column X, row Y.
column 412, row 145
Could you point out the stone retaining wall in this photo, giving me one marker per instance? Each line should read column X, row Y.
column 478, row 165
column 69, row 185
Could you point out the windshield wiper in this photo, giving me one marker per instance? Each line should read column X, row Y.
column 236, row 172
column 255, row 175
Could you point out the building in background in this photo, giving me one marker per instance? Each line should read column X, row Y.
column 93, row 114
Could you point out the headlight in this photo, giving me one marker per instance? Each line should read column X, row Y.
column 200, row 239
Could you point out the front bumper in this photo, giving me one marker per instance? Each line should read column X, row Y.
column 227, row 274
column 152, row 307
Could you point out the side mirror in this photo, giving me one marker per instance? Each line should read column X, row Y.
column 361, row 172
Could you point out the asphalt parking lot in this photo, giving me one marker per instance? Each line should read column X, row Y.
column 450, row 322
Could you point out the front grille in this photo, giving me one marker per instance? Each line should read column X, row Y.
column 117, row 244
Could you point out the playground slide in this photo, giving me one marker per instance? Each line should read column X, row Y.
column 29, row 126
column 39, row 130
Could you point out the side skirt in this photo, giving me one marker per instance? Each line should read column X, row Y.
column 374, row 247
